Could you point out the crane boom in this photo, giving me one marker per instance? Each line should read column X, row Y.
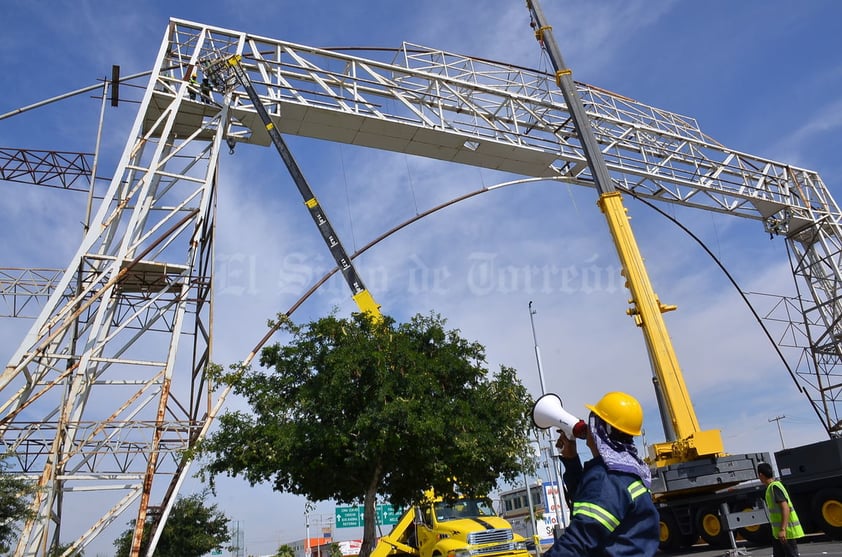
column 646, row 309
column 221, row 71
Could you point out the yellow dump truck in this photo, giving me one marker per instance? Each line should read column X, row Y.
column 462, row 528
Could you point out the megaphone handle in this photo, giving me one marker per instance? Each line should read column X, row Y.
column 566, row 446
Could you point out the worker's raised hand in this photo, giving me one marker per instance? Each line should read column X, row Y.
column 566, row 446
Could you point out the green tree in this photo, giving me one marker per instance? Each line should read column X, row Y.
column 355, row 409
column 15, row 500
column 193, row 529
column 285, row 551
column 335, row 551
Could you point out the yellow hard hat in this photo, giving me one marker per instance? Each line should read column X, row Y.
column 620, row 411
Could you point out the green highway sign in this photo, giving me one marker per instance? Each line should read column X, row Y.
column 388, row 515
column 349, row 517
column 352, row 517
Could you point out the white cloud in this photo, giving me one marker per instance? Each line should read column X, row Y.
column 822, row 122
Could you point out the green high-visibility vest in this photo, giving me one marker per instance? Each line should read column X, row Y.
column 793, row 527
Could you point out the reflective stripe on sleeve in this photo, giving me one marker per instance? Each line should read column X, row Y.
column 597, row 513
column 636, row 489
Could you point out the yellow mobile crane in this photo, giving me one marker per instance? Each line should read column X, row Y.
column 691, row 465
column 225, row 71
column 646, row 309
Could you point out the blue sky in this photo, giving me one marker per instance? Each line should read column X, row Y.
column 763, row 77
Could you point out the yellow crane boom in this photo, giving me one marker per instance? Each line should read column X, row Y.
column 690, row 442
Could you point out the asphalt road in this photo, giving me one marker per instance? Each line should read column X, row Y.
column 812, row 546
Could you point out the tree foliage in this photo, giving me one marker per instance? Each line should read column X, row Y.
column 193, row 529
column 285, row 550
column 356, row 409
column 335, row 550
column 15, row 499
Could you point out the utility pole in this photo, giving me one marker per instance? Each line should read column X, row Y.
column 237, row 549
column 559, row 508
column 308, row 508
column 778, row 419
column 537, row 349
column 532, row 520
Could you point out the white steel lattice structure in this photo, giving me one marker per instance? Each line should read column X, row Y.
column 107, row 388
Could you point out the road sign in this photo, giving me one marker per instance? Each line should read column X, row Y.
column 349, row 517
column 388, row 515
column 352, row 517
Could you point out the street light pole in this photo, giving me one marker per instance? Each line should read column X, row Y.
column 532, row 312
column 308, row 508
column 559, row 509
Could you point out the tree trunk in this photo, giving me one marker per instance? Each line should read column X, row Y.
column 370, row 515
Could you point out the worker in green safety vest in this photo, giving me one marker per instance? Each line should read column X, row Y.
column 786, row 528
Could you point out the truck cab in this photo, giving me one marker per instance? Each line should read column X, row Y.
column 463, row 528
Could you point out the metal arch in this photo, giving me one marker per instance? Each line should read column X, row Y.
column 441, row 105
column 452, row 107
column 103, row 395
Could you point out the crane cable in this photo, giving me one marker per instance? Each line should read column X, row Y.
column 728, row 275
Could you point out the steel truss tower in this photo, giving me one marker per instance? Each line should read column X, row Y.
column 109, row 384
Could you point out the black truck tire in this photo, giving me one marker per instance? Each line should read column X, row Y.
column 671, row 538
column 710, row 526
column 756, row 535
column 826, row 509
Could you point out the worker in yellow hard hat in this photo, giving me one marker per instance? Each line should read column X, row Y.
column 612, row 508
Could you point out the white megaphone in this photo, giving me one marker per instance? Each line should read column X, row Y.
column 548, row 412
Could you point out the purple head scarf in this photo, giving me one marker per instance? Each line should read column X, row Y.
column 618, row 455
